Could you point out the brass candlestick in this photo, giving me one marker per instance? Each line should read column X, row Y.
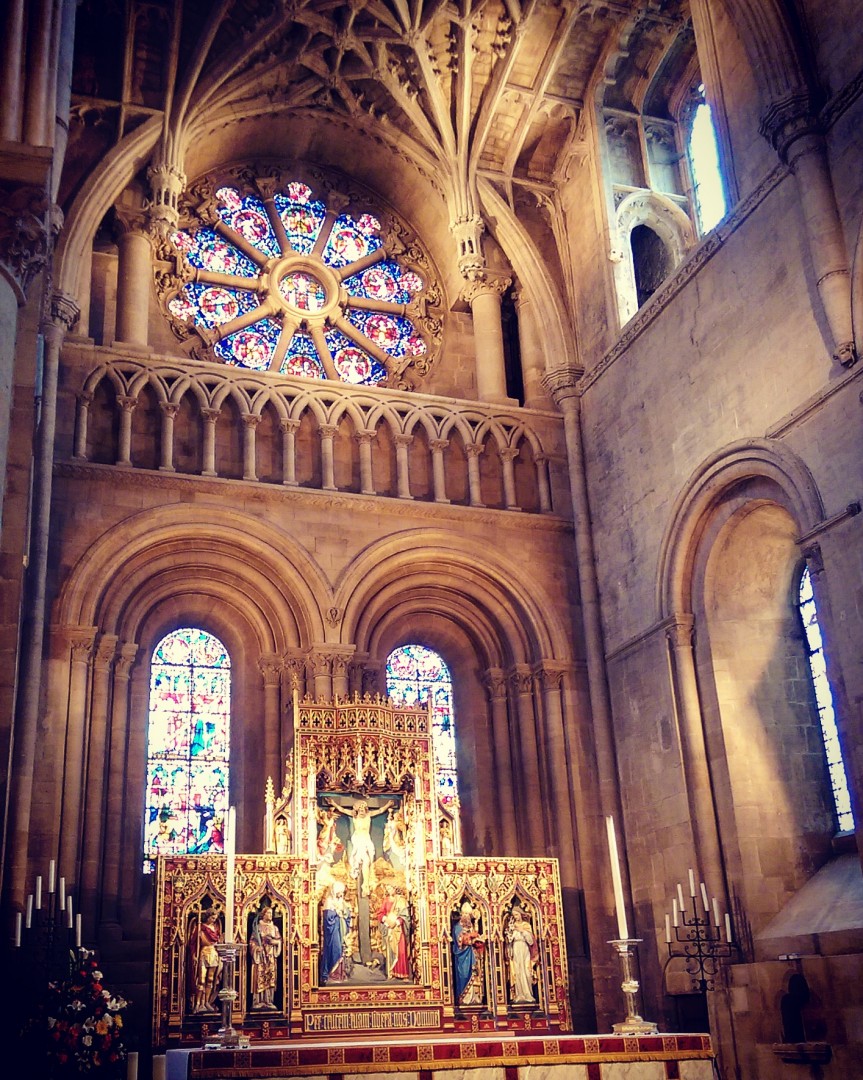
column 228, row 952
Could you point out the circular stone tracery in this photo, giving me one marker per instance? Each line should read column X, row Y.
column 279, row 284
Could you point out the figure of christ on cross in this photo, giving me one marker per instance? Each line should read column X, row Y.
column 362, row 850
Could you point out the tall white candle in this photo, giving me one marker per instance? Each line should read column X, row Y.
column 728, row 927
column 29, row 916
column 704, row 899
column 230, row 849
column 716, row 919
column 667, row 930
column 18, row 920
column 159, row 1066
column 620, row 908
column 78, row 930
column 62, row 893
column 132, row 1066
column 680, row 902
column 38, row 892
column 52, row 870
column 69, row 912
column 676, row 917
column 691, row 882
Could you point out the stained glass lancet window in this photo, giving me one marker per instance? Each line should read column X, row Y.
column 282, row 285
column 703, row 153
column 824, row 701
column 414, row 672
column 188, row 746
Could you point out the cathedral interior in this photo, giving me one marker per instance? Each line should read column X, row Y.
column 512, row 344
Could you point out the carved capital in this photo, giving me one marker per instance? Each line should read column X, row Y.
column 295, row 667
column 814, row 559
column 680, row 630
column 125, row 658
column 549, row 674
column 130, row 219
column 327, row 431
column 437, row 446
column 105, row 653
column 270, row 667
column 495, row 684
column 521, row 679
column 508, row 453
column 289, row 427
column 484, row 283
column 251, row 420
column 562, row 383
column 166, row 185
column 126, row 403
column 24, row 235
column 81, row 640
column 211, row 415
column 365, row 436
column 473, row 450
column 403, row 440
column 64, row 310
column 789, row 119
column 169, row 408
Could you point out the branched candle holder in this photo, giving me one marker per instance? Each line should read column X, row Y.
column 228, row 952
column 633, row 1024
column 697, row 941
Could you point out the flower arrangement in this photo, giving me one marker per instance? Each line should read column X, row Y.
column 82, row 1022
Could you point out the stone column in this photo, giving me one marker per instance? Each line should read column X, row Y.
column 532, row 353
column 250, row 427
column 563, row 844
column 24, row 245
column 402, row 475
column 541, row 462
column 134, row 271
column 484, row 296
column 327, row 433
column 209, row 418
column 437, row 447
column 321, row 664
column 289, row 452
column 508, row 454
column 124, row 449
column 473, row 450
column 169, row 415
column 85, row 400
column 98, row 742
column 81, row 641
column 794, row 130
column 364, row 441
column 63, row 314
column 116, row 785
column 341, row 663
column 679, row 631
column 271, row 670
column 531, row 825
column 495, row 685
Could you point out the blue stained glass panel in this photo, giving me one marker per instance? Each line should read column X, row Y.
column 302, row 358
column 250, row 348
column 250, row 220
column 353, row 364
column 395, row 334
column 208, row 251
column 188, row 745
column 413, row 673
column 302, row 220
column 385, row 281
column 351, row 239
column 211, row 305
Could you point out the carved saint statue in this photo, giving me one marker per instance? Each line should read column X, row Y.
column 204, row 964
column 522, row 954
column 265, row 947
column 468, row 947
column 393, row 917
column 335, row 925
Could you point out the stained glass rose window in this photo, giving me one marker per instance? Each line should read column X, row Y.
column 280, row 283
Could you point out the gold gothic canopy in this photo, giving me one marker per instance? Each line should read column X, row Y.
column 361, row 915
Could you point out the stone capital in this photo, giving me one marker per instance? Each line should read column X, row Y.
column 787, row 120
column 437, row 446
column 495, row 684
column 126, row 402
column 105, row 653
column 130, row 219
column 289, row 427
column 169, row 408
column 680, row 630
column 64, row 310
column 327, row 431
column 125, row 658
column 485, row 283
column 270, row 667
column 25, row 239
column 211, row 415
column 365, row 436
column 563, row 382
column 474, row 449
column 251, row 420
column 521, row 679
column 403, row 440
column 81, row 640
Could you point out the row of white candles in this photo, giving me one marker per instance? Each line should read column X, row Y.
column 678, row 906
column 24, row 920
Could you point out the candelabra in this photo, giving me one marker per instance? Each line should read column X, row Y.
column 633, row 1024
column 698, row 941
column 228, row 952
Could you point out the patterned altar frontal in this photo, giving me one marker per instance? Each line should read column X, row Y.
column 360, row 915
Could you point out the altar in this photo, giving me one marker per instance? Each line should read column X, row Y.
column 360, row 914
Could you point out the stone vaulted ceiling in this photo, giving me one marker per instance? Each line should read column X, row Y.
column 494, row 88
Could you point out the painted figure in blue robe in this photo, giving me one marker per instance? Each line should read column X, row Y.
column 467, row 948
column 336, row 923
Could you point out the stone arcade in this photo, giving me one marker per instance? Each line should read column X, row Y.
column 333, row 329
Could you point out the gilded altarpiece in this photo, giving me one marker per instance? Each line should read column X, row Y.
column 361, row 914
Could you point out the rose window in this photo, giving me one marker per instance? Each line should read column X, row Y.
column 279, row 283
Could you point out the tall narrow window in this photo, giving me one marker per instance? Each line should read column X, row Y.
column 188, row 746
column 824, row 701
column 414, row 672
column 703, row 154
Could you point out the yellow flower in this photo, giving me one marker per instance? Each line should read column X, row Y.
column 101, row 1027
column 118, row 1021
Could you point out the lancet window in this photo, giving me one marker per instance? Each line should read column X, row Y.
column 278, row 282
column 708, row 189
column 824, row 702
column 415, row 673
column 188, row 746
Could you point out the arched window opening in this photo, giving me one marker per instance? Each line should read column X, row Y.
column 702, row 150
column 188, row 746
column 824, row 702
column 413, row 673
column 651, row 261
